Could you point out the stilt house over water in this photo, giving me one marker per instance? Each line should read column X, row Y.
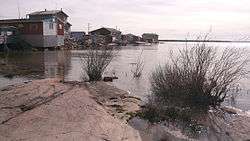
column 42, row 29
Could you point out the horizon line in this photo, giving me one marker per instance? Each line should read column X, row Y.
column 185, row 40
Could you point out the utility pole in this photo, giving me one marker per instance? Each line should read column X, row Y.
column 18, row 8
column 89, row 26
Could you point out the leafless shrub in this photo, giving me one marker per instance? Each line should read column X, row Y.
column 198, row 76
column 138, row 66
column 194, row 80
column 96, row 60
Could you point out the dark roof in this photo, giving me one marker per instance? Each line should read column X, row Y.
column 150, row 34
column 48, row 12
column 130, row 34
column 18, row 21
column 77, row 32
column 109, row 29
column 69, row 24
column 112, row 29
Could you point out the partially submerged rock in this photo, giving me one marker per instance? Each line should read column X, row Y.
column 157, row 132
column 117, row 102
column 228, row 124
column 231, row 110
column 10, row 76
column 109, row 79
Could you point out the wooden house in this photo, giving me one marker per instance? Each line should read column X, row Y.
column 150, row 37
column 130, row 38
column 42, row 28
column 109, row 35
column 77, row 35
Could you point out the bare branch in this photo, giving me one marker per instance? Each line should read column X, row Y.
column 96, row 60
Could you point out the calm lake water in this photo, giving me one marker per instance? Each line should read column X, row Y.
column 67, row 65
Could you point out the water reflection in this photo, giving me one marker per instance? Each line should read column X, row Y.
column 33, row 65
column 67, row 65
column 56, row 64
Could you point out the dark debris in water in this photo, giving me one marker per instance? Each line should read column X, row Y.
column 8, row 88
column 9, row 76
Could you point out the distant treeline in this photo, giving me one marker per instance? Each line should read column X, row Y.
column 204, row 41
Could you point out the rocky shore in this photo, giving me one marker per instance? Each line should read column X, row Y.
column 50, row 109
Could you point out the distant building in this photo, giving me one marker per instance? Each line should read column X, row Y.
column 106, row 35
column 130, row 38
column 43, row 28
column 77, row 35
column 67, row 31
column 150, row 37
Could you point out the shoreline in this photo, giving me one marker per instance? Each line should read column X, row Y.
column 204, row 41
column 49, row 109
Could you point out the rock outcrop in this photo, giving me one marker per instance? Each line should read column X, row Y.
column 50, row 110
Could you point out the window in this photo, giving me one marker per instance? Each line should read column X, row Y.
column 33, row 27
column 51, row 25
column 9, row 33
column 20, row 25
column 60, row 26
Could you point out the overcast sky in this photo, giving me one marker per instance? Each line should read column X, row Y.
column 171, row 19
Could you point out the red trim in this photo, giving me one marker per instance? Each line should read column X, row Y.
column 27, row 28
column 60, row 28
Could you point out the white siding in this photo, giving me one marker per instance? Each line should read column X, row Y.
column 47, row 30
column 53, row 40
column 60, row 40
